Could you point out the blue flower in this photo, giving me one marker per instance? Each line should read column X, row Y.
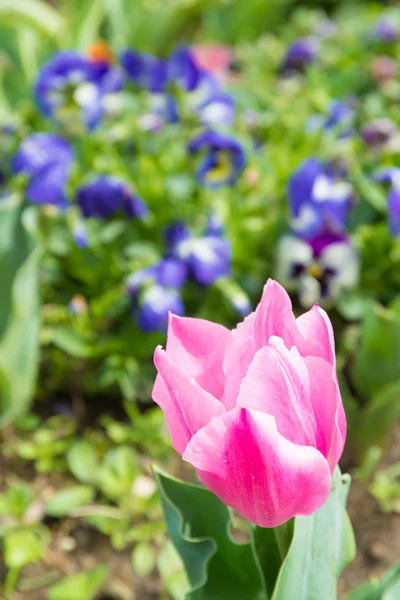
column 155, row 304
column 162, row 78
column 47, row 159
column 207, row 257
column 71, row 83
column 319, row 201
column 183, row 69
column 106, row 195
column 386, row 29
column 154, row 293
column 80, row 235
column 145, row 70
column 392, row 175
column 300, row 54
column 339, row 118
column 317, row 269
column 213, row 105
column 223, row 161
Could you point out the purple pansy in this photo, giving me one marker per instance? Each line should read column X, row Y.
column 72, row 84
column 47, row 159
column 391, row 175
column 202, row 93
column 319, row 201
column 386, row 29
column 339, row 118
column 223, row 161
column 207, row 257
column 300, row 54
column 154, row 293
column 318, row 269
column 106, row 195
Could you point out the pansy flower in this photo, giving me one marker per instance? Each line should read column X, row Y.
column 339, row 118
column 207, row 257
column 386, row 29
column 378, row 132
column 223, row 158
column 46, row 159
column 319, row 200
column 201, row 93
column 72, row 84
column 106, row 195
column 317, row 269
column 300, row 54
column 154, row 292
column 391, row 175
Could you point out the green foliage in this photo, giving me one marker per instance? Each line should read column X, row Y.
column 385, row 589
column 84, row 586
column 19, row 310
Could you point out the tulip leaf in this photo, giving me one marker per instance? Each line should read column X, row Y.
column 199, row 526
column 322, row 545
column 19, row 310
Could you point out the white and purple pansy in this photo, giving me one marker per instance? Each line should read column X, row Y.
column 318, row 269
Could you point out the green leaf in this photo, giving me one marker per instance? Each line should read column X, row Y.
column 24, row 546
column 68, row 340
column 118, row 471
column 322, row 545
column 199, row 526
column 67, row 500
column 143, row 559
column 39, row 15
column 377, row 359
column 19, row 310
column 378, row 417
column 84, row 586
column 82, row 461
column 376, row 590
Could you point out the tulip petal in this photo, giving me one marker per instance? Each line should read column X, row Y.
column 243, row 459
column 328, row 409
column 274, row 316
column 198, row 347
column 187, row 407
column 277, row 383
column 316, row 335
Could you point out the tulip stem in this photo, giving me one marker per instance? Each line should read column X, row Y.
column 283, row 534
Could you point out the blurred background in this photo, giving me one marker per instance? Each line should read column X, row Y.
column 162, row 156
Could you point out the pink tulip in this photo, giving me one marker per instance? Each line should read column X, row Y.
column 257, row 410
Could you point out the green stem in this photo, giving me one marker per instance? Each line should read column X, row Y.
column 11, row 581
column 283, row 534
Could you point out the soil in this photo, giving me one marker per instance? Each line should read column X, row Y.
column 76, row 546
column 377, row 533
